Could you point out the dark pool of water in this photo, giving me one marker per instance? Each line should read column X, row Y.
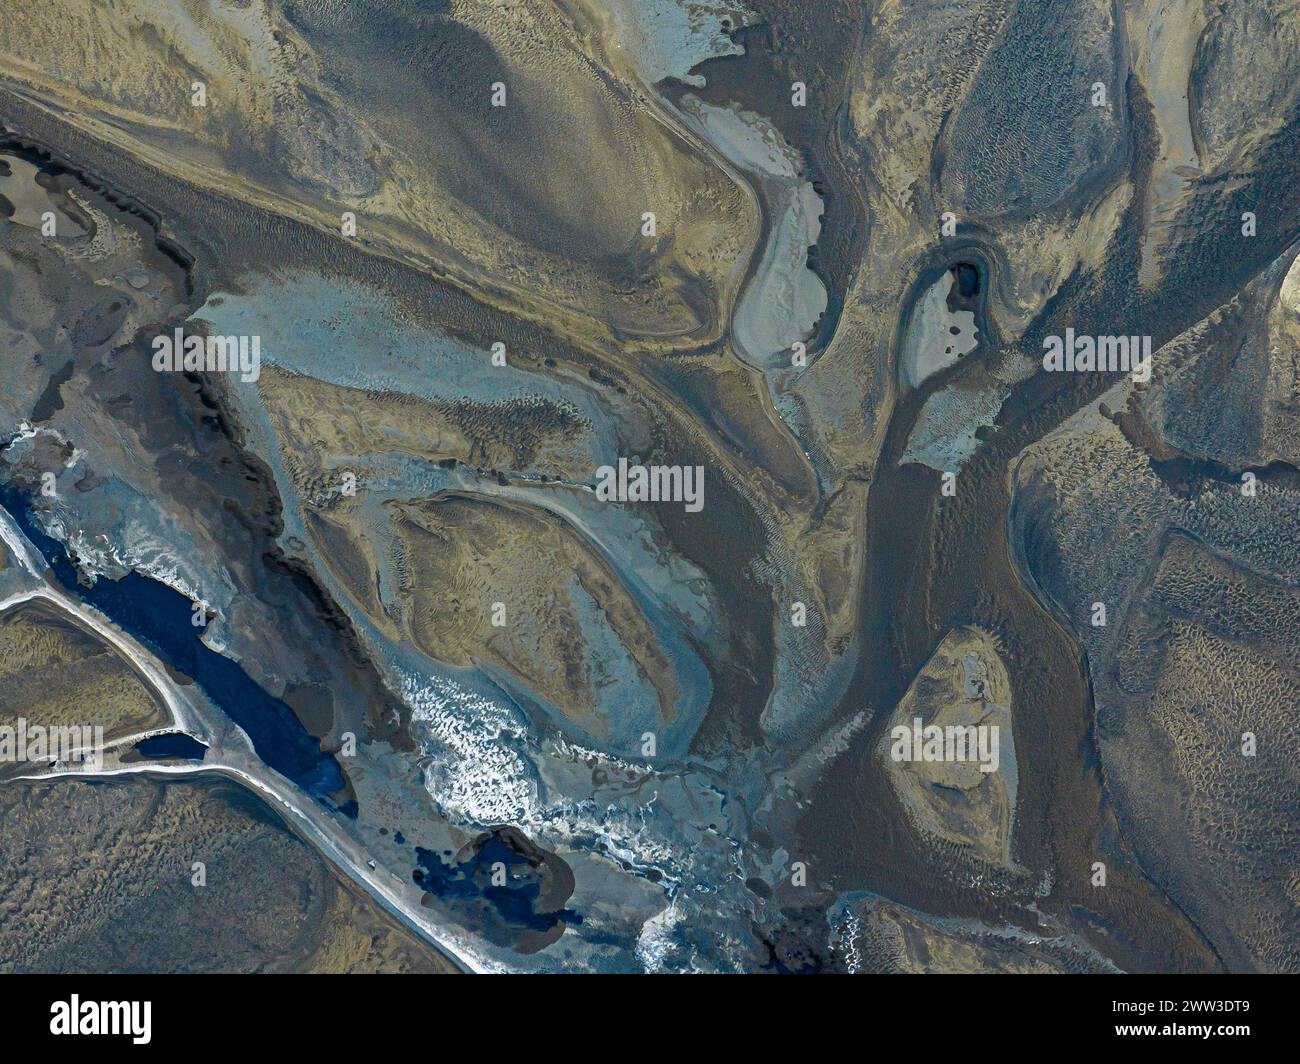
column 173, row 745
column 469, row 879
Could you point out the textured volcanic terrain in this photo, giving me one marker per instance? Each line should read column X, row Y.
column 501, row 257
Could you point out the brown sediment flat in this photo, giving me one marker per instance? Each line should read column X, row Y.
column 128, row 903
column 464, row 554
column 54, row 670
column 963, row 685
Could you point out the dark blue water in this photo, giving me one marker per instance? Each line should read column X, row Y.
column 471, row 879
column 159, row 617
column 174, row 744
